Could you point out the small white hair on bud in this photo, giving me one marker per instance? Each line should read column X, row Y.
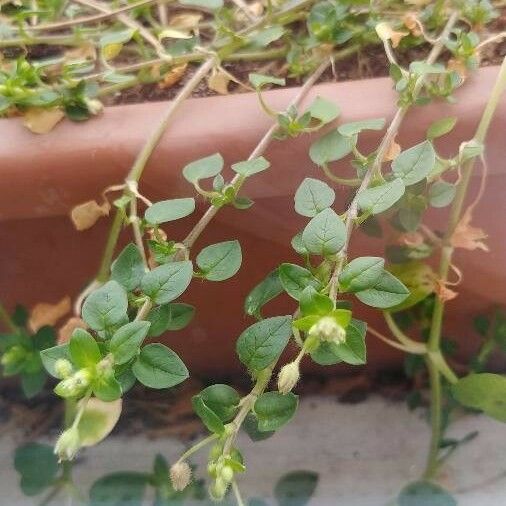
column 288, row 377
column 68, row 444
column 327, row 329
column 180, row 475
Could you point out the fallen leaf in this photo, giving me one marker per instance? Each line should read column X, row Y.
column 218, row 82
column 393, row 152
column 173, row 33
column 40, row 120
column 85, row 215
column 468, row 237
column 67, row 329
column 386, row 32
column 48, row 314
column 173, row 76
column 187, row 21
column 86, row 51
column 412, row 23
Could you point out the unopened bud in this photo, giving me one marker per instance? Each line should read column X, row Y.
column 327, row 329
column 227, row 474
column 180, row 475
column 218, row 489
column 68, row 444
column 63, row 368
column 13, row 356
column 74, row 385
column 94, row 105
column 288, row 377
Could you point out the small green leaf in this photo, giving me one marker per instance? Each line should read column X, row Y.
column 250, row 167
column 295, row 488
column 32, row 383
column 107, row 388
column 312, row 197
column 106, row 306
column 112, row 42
column 220, row 261
column 173, row 316
column 274, row 410
column 380, row 198
column 441, row 194
column 250, row 426
column 169, row 210
column 84, row 350
column 330, row 147
column 37, row 465
column 119, row 489
column 415, row 163
column 387, row 292
column 422, row 68
column 206, row 4
column 222, row 400
column 324, row 234
column 260, row 80
column 203, row 168
column 266, row 36
column 314, row 303
column 354, row 128
column 126, row 341
column 266, row 290
column 128, row 268
column 210, row 419
column 361, row 273
column 167, row 282
column 486, row 392
column 159, row 367
column 51, row 355
column 424, row 493
column 441, row 127
column 324, row 110
column 262, row 343
column 295, row 279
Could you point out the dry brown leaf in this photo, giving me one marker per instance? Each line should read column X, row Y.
column 48, row 314
column 468, row 237
column 412, row 23
column 42, row 121
column 85, row 215
column 256, row 8
column 412, row 239
column 186, row 21
column 386, row 32
column 67, row 329
column 218, row 82
column 86, row 51
column 392, row 152
column 443, row 292
column 173, row 76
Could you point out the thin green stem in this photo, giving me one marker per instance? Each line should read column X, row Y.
column 435, row 420
column 196, row 447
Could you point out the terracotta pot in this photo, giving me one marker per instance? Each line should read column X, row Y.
column 43, row 177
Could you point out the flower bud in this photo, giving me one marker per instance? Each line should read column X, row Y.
column 227, row 474
column 74, row 385
column 218, row 489
column 63, row 368
column 180, row 475
column 68, row 444
column 288, row 377
column 94, row 105
column 327, row 329
column 13, row 356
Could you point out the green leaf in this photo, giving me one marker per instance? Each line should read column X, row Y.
column 354, row 128
column 84, row 350
column 119, row 489
column 274, row 410
column 422, row 68
column 486, row 392
column 312, row 197
column 250, row 426
column 51, row 355
column 418, row 278
column 250, row 167
column 266, row 290
column 173, row 316
column 210, row 419
column 107, row 388
column 415, row 163
column 296, row 488
column 387, row 292
column 220, row 261
column 167, row 282
column 324, row 234
column 169, row 210
column 37, row 465
column 159, row 367
column 441, row 194
column 112, row 42
column 266, row 36
column 203, row 168
column 106, row 306
column 128, row 268
column 295, row 279
column 361, row 273
column 126, row 341
column 331, row 147
column 33, row 382
column 260, row 80
column 324, row 110
column 380, row 198
column 262, row 343
column 314, row 303
column 424, row 493
column 98, row 420
column 441, row 127
column 222, row 399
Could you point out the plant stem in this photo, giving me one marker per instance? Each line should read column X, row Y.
column 196, row 447
column 142, row 159
column 434, row 342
